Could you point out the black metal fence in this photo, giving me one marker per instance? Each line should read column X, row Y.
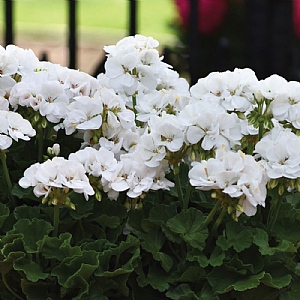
column 72, row 26
column 268, row 38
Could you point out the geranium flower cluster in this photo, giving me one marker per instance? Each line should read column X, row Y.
column 237, row 175
column 140, row 121
column 54, row 179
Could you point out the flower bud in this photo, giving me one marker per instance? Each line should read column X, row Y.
column 297, row 184
column 98, row 195
column 272, row 183
column 281, row 189
column 239, row 208
column 214, row 195
column 140, row 205
column 230, row 210
column 72, row 206
column 44, row 123
column 36, row 118
column 127, row 205
column 95, row 139
column 193, row 155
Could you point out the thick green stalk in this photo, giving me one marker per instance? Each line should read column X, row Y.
column 55, row 219
column 187, row 195
column 215, row 229
column 274, row 212
column 7, row 177
column 5, row 170
column 137, row 123
column 212, row 213
column 183, row 205
column 40, row 141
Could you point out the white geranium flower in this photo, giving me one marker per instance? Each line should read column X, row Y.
column 150, row 152
column 5, row 141
column 168, row 131
column 4, row 104
column 236, row 174
column 56, row 173
column 84, row 113
column 233, row 90
column 15, row 126
column 54, row 101
column 18, row 127
column 279, row 150
column 286, row 104
column 8, row 63
column 99, row 163
column 270, row 87
column 27, row 60
column 211, row 124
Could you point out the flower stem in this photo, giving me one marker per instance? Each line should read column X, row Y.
column 55, row 219
column 215, row 229
column 183, row 205
column 10, row 289
column 187, row 195
column 212, row 213
column 40, row 140
column 7, row 177
column 274, row 213
column 134, row 109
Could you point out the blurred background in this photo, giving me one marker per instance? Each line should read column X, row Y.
column 43, row 26
column 196, row 36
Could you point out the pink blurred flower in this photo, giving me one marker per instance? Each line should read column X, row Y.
column 211, row 14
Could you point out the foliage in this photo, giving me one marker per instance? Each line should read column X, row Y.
column 104, row 199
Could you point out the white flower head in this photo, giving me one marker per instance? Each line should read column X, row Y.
column 57, row 173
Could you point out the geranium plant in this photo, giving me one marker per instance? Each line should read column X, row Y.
column 135, row 185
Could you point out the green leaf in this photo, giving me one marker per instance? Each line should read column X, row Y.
column 252, row 258
column 117, row 263
column 76, row 268
column 237, row 236
column 223, row 279
column 157, row 278
column 94, row 293
column 32, row 270
column 32, row 231
column 109, row 221
column 188, row 273
column 27, row 212
column 12, row 243
column 4, row 213
column 293, row 293
column 189, row 224
column 277, row 282
column 207, row 293
column 217, row 257
column 161, row 213
column 58, row 248
column 83, row 208
column 198, row 256
column 165, row 259
column 261, row 240
column 123, row 257
column 182, row 292
column 35, row 290
column 24, row 193
column 277, row 275
column 152, row 241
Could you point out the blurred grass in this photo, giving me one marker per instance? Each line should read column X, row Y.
column 97, row 19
